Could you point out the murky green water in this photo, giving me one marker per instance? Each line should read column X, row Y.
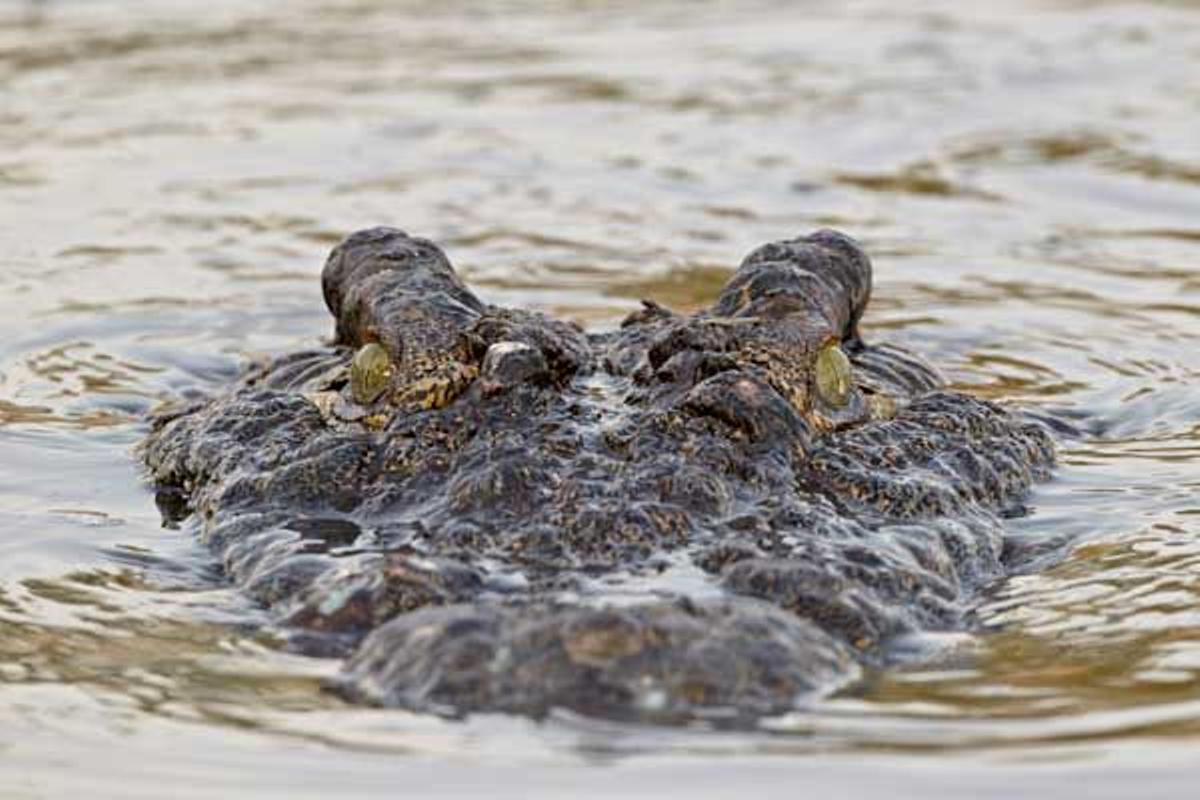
column 1026, row 174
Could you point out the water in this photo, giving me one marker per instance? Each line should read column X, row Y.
column 1026, row 175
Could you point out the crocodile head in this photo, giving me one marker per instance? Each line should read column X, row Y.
column 717, row 514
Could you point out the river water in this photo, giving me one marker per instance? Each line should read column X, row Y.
column 1025, row 174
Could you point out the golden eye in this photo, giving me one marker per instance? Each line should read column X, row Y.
column 370, row 373
column 834, row 381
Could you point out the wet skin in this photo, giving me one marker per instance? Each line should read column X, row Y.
column 718, row 515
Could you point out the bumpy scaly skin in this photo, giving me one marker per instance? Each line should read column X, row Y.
column 665, row 521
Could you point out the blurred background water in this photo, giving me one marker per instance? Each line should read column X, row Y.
column 1025, row 174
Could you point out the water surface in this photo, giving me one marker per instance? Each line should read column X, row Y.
column 1025, row 174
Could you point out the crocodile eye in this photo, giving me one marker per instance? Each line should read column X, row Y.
column 834, row 381
column 370, row 373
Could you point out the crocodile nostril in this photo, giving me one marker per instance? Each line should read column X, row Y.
column 506, row 364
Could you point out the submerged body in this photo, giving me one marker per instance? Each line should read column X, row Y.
column 484, row 508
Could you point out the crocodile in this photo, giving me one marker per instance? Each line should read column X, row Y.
column 721, row 515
